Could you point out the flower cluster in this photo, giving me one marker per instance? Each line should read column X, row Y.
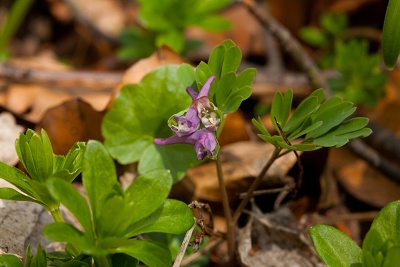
column 197, row 125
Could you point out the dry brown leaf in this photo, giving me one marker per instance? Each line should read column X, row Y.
column 106, row 16
column 362, row 181
column 70, row 122
column 235, row 129
column 241, row 163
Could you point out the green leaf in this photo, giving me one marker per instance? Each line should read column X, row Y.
column 305, row 131
column 384, row 232
column 9, row 260
column 214, row 23
column 147, row 193
column 391, row 34
column 313, row 36
column 260, row 126
column 40, row 259
column 330, row 117
column 43, row 195
column 174, row 217
column 64, row 192
column 302, row 112
column 334, row 247
column 246, row 78
column 70, row 166
column 281, row 107
column 17, row 178
column 150, row 253
column 99, row 177
column 232, row 59
column 36, row 154
column 173, row 39
column 140, row 112
column 208, row 6
column 187, row 74
column 123, row 260
column 340, row 140
column 216, row 60
column 11, row 194
column 225, row 86
column 392, row 257
column 64, row 232
column 175, row 158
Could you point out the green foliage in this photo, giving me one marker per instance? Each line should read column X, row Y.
column 165, row 21
column 361, row 80
column 229, row 89
column 321, row 123
column 142, row 208
column 11, row 24
column 9, row 260
column 381, row 246
column 36, row 154
column 391, row 34
column 332, row 26
column 139, row 113
column 334, row 247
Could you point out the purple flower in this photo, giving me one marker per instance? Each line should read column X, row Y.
column 203, row 140
column 186, row 124
column 197, row 126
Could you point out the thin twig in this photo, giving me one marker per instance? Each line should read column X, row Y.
column 255, row 184
column 230, row 224
column 88, row 79
column 207, row 248
column 184, row 246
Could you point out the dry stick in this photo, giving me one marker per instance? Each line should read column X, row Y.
column 255, row 184
column 207, row 248
column 230, row 224
column 184, row 246
column 104, row 80
column 293, row 47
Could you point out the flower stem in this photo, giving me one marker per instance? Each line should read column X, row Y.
column 255, row 184
column 230, row 224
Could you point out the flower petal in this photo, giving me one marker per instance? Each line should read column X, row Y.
column 206, row 88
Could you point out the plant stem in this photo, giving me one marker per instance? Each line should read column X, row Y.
column 230, row 224
column 255, row 184
column 102, row 261
column 56, row 214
